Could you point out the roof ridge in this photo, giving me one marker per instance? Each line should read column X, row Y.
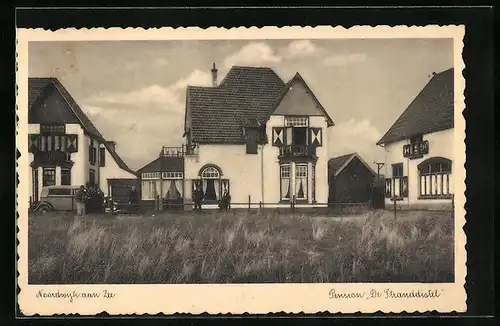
column 411, row 107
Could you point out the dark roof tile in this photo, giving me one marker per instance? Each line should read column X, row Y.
column 430, row 111
column 246, row 97
column 164, row 164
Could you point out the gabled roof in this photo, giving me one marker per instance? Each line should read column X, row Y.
column 430, row 111
column 39, row 87
column 246, row 95
column 298, row 79
column 164, row 164
column 339, row 163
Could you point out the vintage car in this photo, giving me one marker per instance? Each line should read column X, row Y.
column 62, row 198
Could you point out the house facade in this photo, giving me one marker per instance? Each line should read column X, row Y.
column 419, row 149
column 64, row 147
column 257, row 137
column 351, row 179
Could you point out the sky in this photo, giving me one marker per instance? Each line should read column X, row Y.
column 135, row 91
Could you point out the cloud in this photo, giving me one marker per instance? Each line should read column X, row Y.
column 301, row 49
column 255, row 53
column 153, row 95
column 154, row 117
column 356, row 136
column 195, row 78
column 342, row 60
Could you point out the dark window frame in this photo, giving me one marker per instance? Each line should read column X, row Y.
column 52, row 176
column 66, row 171
column 439, row 168
column 102, row 156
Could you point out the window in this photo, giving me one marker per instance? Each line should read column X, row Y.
column 397, row 170
column 60, row 192
column 211, row 183
column 397, row 186
column 417, row 147
column 296, row 121
column 210, row 173
column 92, row 152
column 285, row 181
column 49, row 176
column 65, row 176
column 149, row 189
column 92, row 177
column 52, row 129
column 102, row 156
column 151, row 175
column 435, row 178
column 301, row 181
column 172, row 175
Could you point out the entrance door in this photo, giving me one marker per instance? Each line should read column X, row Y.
column 35, row 185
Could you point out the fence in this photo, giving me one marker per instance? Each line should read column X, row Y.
column 251, row 206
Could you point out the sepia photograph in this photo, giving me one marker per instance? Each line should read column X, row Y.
column 242, row 161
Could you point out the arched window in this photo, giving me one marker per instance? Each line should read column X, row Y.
column 210, row 173
column 435, row 178
column 211, row 183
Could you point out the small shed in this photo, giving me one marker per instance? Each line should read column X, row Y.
column 350, row 179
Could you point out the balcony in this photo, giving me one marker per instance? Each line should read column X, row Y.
column 416, row 149
column 60, row 158
column 297, row 151
column 178, row 151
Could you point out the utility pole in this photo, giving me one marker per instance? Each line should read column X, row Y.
column 379, row 167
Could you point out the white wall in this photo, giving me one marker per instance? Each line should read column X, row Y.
column 111, row 170
column 243, row 170
column 440, row 144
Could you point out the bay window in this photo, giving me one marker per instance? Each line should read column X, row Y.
column 435, row 178
column 285, row 181
column 301, row 181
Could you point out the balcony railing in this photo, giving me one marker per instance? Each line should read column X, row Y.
column 178, row 151
column 51, row 157
column 416, row 150
column 297, row 150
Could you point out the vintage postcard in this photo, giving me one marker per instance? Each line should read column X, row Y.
column 267, row 170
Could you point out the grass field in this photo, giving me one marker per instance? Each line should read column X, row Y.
column 214, row 247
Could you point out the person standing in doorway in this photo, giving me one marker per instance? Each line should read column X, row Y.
column 133, row 199
column 198, row 198
column 80, row 198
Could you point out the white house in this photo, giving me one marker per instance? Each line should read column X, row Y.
column 419, row 148
column 65, row 148
column 258, row 137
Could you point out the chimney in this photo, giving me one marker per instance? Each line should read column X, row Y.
column 214, row 76
column 111, row 144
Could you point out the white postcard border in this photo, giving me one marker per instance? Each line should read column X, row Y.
column 238, row 298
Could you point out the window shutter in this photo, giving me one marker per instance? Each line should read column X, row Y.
column 72, row 143
column 404, row 186
column 278, row 136
column 33, row 143
column 288, row 136
column 388, row 184
column 315, row 137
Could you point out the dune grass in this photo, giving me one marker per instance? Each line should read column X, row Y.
column 236, row 247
